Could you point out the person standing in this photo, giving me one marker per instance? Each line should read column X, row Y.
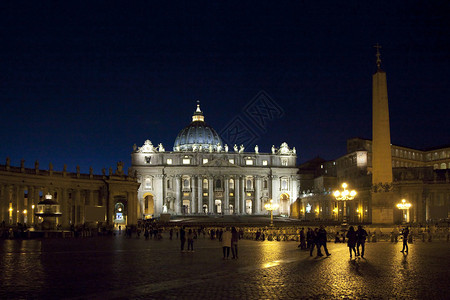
column 234, row 242
column 182, row 238
column 361, row 235
column 323, row 239
column 351, row 240
column 190, row 239
column 226, row 243
column 405, row 233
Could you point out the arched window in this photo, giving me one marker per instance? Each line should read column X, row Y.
column 148, row 183
column 443, row 166
column 186, row 183
column 218, row 184
column 249, row 184
column 265, row 184
column 205, row 184
column 231, row 184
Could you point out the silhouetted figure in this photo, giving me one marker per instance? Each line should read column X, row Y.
column 170, row 233
column 361, row 235
column 182, row 238
column 405, row 233
column 226, row 243
column 309, row 238
column 234, row 242
column 323, row 239
column 302, row 239
column 315, row 242
column 190, row 238
column 351, row 240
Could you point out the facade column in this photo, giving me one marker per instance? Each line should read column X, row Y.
column 242, row 199
column 194, row 194
column 275, row 191
column 236, row 194
column 158, row 198
column 132, row 209
column 200, row 194
column 257, row 209
column 226, row 197
column 178, row 195
column 211, row 195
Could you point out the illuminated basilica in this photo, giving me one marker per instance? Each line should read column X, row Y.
column 202, row 175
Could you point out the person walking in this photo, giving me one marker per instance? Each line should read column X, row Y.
column 226, row 243
column 405, row 233
column 302, row 239
column 234, row 242
column 182, row 238
column 351, row 240
column 323, row 239
column 190, row 239
column 361, row 235
column 309, row 238
column 315, row 242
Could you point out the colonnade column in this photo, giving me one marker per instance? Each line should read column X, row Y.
column 194, row 194
column 211, row 195
column 200, row 194
column 4, row 204
column 236, row 195
column 177, row 194
column 64, row 199
column 110, row 208
column 257, row 209
column 15, row 191
column 227, row 195
column 242, row 199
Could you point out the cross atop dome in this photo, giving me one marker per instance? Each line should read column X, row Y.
column 198, row 114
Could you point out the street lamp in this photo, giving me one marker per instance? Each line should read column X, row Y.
column 344, row 196
column 271, row 207
column 404, row 206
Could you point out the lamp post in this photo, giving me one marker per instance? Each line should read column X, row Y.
column 270, row 206
column 404, row 206
column 344, row 196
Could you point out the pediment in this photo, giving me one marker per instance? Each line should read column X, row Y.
column 220, row 162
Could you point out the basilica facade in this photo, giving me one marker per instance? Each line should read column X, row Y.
column 202, row 175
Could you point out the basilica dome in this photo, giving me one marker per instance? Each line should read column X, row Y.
column 197, row 136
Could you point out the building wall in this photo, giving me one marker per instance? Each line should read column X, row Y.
column 82, row 197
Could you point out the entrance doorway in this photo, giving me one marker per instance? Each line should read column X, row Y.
column 149, row 206
column 218, row 204
column 185, row 209
column 205, row 208
column 248, row 207
column 284, row 204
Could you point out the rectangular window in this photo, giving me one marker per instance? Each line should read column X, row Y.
column 249, row 162
column 264, row 162
column 186, row 161
column 231, row 161
column 169, row 161
column 205, row 161
column 205, row 194
column 231, row 194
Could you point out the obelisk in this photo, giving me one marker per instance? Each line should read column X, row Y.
column 382, row 195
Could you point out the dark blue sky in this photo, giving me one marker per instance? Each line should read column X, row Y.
column 82, row 82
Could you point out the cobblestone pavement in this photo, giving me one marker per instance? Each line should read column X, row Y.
column 119, row 268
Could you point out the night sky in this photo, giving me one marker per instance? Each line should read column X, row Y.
column 81, row 82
